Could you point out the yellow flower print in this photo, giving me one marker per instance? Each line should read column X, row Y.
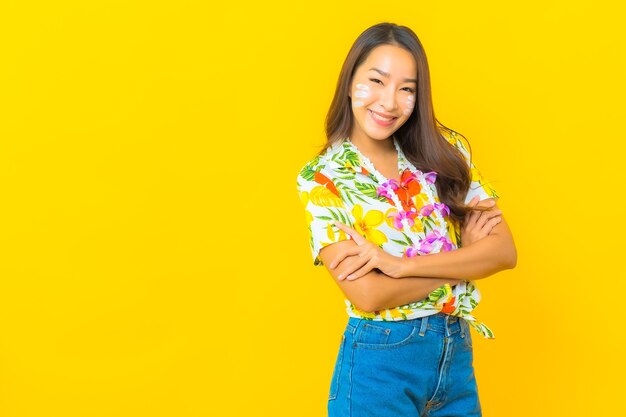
column 304, row 197
column 322, row 196
column 418, row 226
column 366, row 226
column 452, row 229
column 477, row 177
column 389, row 215
column 421, row 199
column 395, row 313
column 331, row 234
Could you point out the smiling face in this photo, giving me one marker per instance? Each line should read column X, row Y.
column 383, row 93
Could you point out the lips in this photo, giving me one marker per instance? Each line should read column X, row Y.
column 381, row 119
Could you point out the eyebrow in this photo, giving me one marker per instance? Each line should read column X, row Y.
column 386, row 74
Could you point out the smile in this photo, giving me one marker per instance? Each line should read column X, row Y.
column 382, row 121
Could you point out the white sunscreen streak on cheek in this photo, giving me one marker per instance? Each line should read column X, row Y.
column 362, row 92
column 410, row 103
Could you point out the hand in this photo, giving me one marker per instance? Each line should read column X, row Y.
column 478, row 224
column 367, row 256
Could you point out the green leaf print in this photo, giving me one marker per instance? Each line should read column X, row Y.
column 350, row 156
column 428, row 222
column 327, row 218
column 408, row 239
column 369, row 190
column 361, row 199
column 344, row 220
column 307, row 173
column 437, row 294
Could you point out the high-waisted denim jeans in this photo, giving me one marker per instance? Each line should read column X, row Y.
column 419, row 367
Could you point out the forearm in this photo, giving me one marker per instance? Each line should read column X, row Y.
column 479, row 260
column 386, row 292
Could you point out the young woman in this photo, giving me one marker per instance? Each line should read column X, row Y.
column 404, row 222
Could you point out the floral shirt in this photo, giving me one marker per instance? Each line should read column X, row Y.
column 405, row 218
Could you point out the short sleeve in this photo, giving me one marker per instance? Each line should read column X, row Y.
column 479, row 186
column 322, row 205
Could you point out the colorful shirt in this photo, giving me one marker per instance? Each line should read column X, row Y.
column 405, row 218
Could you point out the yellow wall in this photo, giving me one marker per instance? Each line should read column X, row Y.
column 154, row 257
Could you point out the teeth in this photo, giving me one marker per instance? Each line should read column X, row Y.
column 385, row 119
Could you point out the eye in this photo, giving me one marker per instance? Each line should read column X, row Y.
column 409, row 89
column 375, row 80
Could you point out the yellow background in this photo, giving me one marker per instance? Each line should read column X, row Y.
column 154, row 258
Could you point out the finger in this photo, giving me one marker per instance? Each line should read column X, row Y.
column 355, row 250
column 471, row 217
column 486, row 203
column 358, row 239
column 488, row 215
column 361, row 271
column 358, row 262
column 491, row 224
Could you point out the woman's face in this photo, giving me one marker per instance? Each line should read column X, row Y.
column 383, row 93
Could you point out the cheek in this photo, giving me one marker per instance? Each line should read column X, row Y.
column 361, row 95
column 409, row 104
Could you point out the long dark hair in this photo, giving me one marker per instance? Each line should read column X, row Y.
column 421, row 136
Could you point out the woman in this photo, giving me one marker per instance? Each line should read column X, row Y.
column 403, row 221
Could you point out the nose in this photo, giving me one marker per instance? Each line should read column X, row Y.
column 388, row 98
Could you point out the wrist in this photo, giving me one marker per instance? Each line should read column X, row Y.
column 407, row 267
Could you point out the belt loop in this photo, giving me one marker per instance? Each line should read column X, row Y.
column 423, row 326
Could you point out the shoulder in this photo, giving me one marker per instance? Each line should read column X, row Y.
column 457, row 140
column 322, row 163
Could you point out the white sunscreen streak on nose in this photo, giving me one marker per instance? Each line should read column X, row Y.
column 362, row 92
column 410, row 103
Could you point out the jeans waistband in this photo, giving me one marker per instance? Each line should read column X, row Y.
column 439, row 323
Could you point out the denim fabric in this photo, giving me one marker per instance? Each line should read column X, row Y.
column 418, row 367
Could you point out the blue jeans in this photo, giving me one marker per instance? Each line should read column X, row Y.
column 419, row 367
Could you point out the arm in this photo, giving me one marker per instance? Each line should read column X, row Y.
column 376, row 291
column 481, row 259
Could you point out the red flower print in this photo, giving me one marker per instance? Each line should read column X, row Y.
column 409, row 188
column 326, row 182
column 448, row 307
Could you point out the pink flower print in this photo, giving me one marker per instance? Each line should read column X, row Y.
column 443, row 209
column 387, row 188
column 426, row 245
column 447, row 245
column 430, row 177
column 432, row 236
column 423, row 248
column 411, row 252
column 426, row 210
column 401, row 215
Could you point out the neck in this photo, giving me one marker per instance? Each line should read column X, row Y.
column 369, row 146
